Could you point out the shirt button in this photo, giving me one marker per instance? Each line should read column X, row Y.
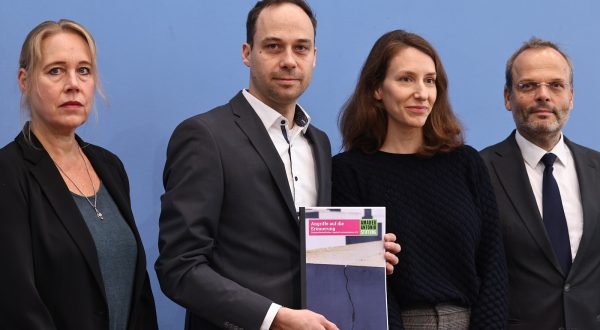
column 567, row 287
column 296, row 178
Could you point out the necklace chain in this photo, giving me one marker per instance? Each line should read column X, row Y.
column 93, row 205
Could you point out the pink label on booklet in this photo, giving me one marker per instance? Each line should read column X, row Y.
column 338, row 227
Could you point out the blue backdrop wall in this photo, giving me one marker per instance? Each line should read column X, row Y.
column 163, row 61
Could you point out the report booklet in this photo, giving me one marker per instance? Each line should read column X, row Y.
column 343, row 265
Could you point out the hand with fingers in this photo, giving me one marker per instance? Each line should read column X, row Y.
column 291, row 319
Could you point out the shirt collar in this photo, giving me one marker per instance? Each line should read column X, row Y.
column 532, row 154
column 270, row 117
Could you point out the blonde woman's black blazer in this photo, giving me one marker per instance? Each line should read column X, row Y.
column 50, row 277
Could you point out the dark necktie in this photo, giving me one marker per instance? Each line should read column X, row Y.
column 554, row 215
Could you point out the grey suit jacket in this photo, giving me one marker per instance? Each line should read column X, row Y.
column 229, row 235
column 541, row 296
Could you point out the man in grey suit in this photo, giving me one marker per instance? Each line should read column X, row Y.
column 548, row 192
column 234, row 177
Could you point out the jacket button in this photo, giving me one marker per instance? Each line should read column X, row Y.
column 567, row 287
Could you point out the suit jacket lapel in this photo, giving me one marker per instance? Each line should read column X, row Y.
column 250, row 124
column 60, row 199
column 108, row 176
column 512, row 175
column 116, row 187
column 322, row 156
column 587, row 175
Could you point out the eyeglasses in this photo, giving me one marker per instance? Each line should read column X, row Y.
column 531, row 86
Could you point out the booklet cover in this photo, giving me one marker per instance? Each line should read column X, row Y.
column 343, row 265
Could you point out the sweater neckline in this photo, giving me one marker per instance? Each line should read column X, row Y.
column 392, row 154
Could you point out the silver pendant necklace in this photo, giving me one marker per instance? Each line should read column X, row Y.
column 93, row 205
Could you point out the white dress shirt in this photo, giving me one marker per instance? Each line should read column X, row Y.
column 566, row 177
column 297, row 156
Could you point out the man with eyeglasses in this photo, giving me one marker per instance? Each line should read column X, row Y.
column 548, row 192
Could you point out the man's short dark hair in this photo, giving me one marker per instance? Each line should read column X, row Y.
column 534, row 43
column 260, row 5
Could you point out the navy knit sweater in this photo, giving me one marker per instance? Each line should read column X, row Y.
column 444, row 214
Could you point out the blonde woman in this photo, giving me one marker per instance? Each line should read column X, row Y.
column 72, row 255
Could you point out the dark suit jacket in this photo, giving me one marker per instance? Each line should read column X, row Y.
column 541, row 296
column 51, row 277
column 229, row 235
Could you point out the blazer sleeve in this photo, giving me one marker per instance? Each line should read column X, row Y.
column 490, row 311
column 194, row 182
column 21, row 306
